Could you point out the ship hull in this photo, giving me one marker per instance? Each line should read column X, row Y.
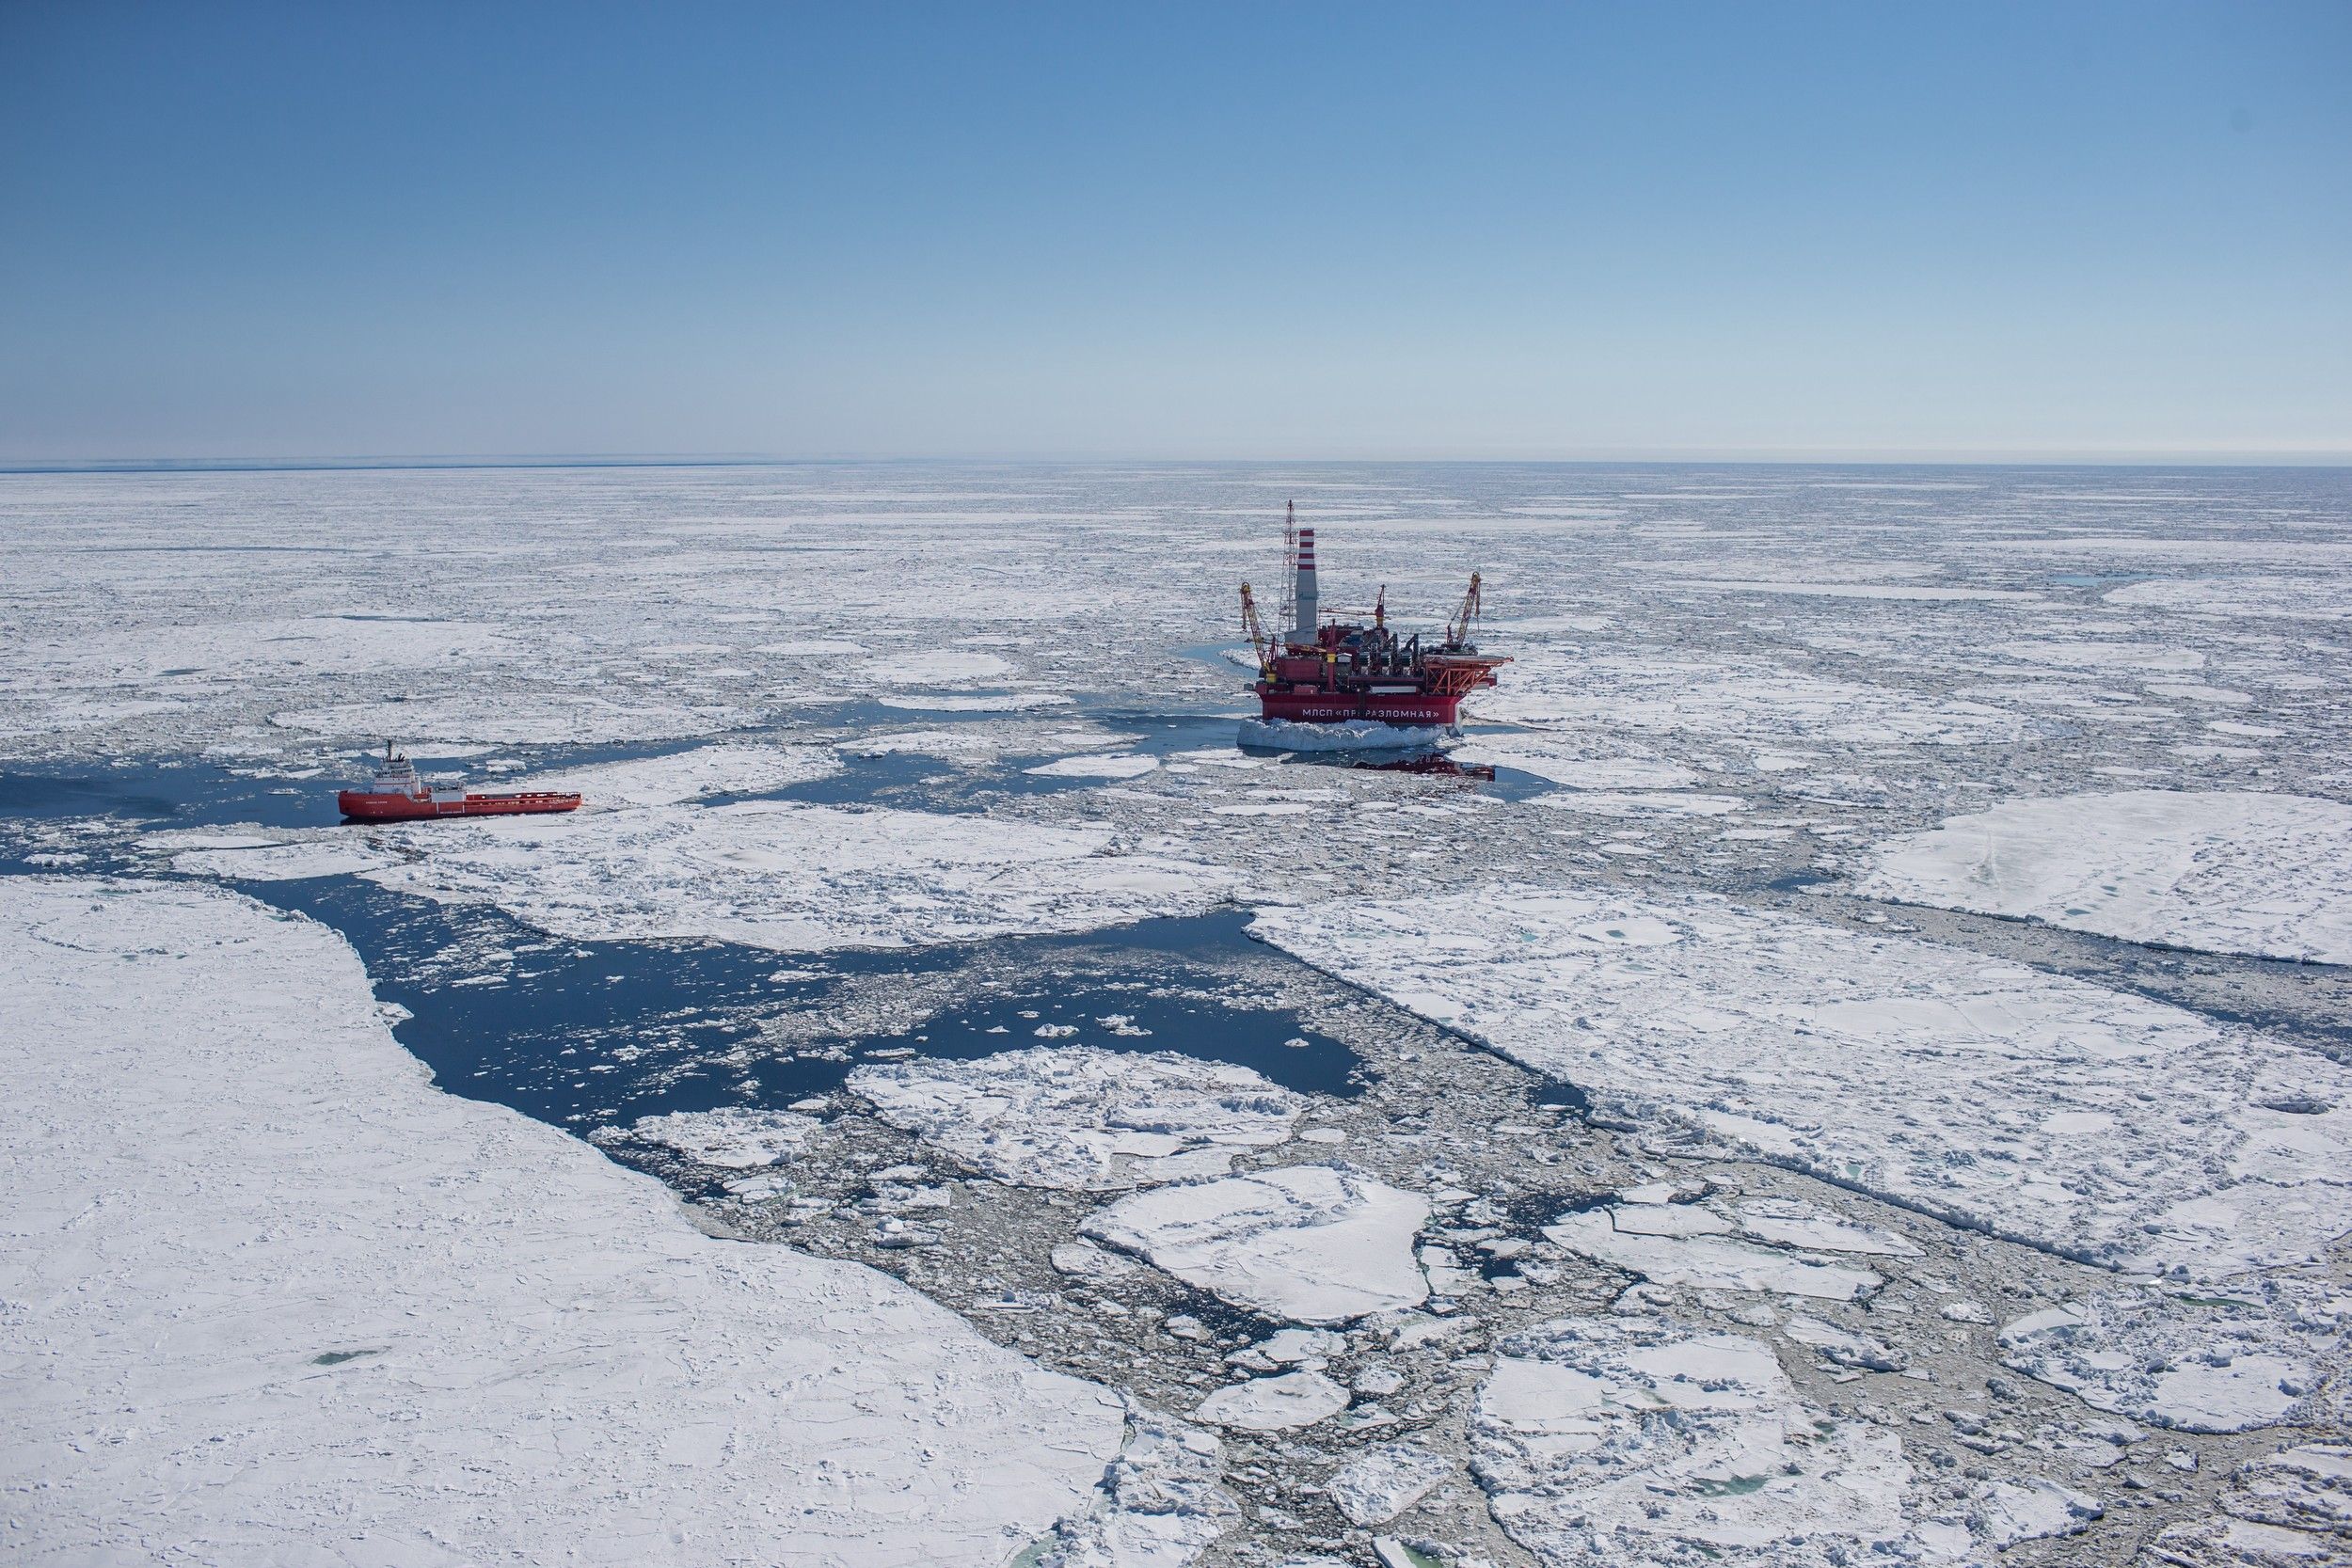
column 1405, row 709
column 364, row 805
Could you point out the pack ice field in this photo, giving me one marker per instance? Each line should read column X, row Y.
column 1841, row 1053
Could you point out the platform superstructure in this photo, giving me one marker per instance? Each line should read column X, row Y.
column 1318, row 672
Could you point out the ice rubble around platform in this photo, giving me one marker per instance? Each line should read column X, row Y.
column 2098, row 1124
column 1082, row 1118
column 212, row 1120
column 2224, row 871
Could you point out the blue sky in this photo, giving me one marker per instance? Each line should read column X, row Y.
column 1271, row 229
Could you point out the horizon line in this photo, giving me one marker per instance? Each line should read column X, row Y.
column 2316, row 458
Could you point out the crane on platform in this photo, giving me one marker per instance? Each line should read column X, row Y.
column 1458, row 630
column 1256, row 633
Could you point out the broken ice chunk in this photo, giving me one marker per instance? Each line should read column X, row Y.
column 1313, row 1243
column 1082, row 1118
column 1380, row 1483
column 1705, row 1262
column 1275, row 1403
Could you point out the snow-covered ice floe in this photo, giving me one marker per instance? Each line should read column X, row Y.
column 2094, row 1123
column 2288, row 1509
column 1382, row 1482
column 265, row 854
column 732, row 1137
column 1159, row 1505
column 1113, row 766
column 794, row 878
column 273, row 1298
column 1627, row 1439
column 1362, row 735
column 2277, row 1351
column 1280, row 1403
column 2224, row 871
column 1633, row 1238
column 1312, row 1243
column 1083, row 1118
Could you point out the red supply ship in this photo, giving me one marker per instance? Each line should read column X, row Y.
column 397, row 795
column 1327, row 672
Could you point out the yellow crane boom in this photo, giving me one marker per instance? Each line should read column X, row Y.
column 1256, row 632
column 1457, row 631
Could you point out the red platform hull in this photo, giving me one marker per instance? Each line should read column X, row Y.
column 367, row 805
column 1409, row 709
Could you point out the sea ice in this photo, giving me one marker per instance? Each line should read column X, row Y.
column 793, row 877
column 519, row 718
column 1310, row 1244
column 2198, row 1364
column 1276, row 1404
column 1115, row 765
column 1707, row 1262
column 275, row 1298
column 1619, row 802
column 1568, row 760
column 1159, row 1505
column 936, row 667
column 1382, row 1482
column 2096, row 1123
column 1603, row 1441
column 732, row 1138
column 1083, row 1118
column 2288, row 1509
column 1749, row 699
column 691, row 775
column 2226, row 871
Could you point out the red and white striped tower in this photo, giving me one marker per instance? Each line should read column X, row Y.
column 1304, row 595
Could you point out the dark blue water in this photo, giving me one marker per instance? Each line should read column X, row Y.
column 581, row 1034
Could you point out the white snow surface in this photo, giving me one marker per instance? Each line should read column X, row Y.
column 2227, row 871
column 1082, row 1118
column 2025, row 1103
column 1381, row 1482
column 1310, row 1244
column 1159, row 1505
column 275, row 1299
column 1633, row 1439
column 1705, row 1262
column 1281, row 1403
column 793, row 877
column 733, row 1137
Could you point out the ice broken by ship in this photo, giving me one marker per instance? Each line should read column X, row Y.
column 1391, row 690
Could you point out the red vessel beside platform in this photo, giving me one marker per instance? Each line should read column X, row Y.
column 397, row 795
column 1329, row 673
